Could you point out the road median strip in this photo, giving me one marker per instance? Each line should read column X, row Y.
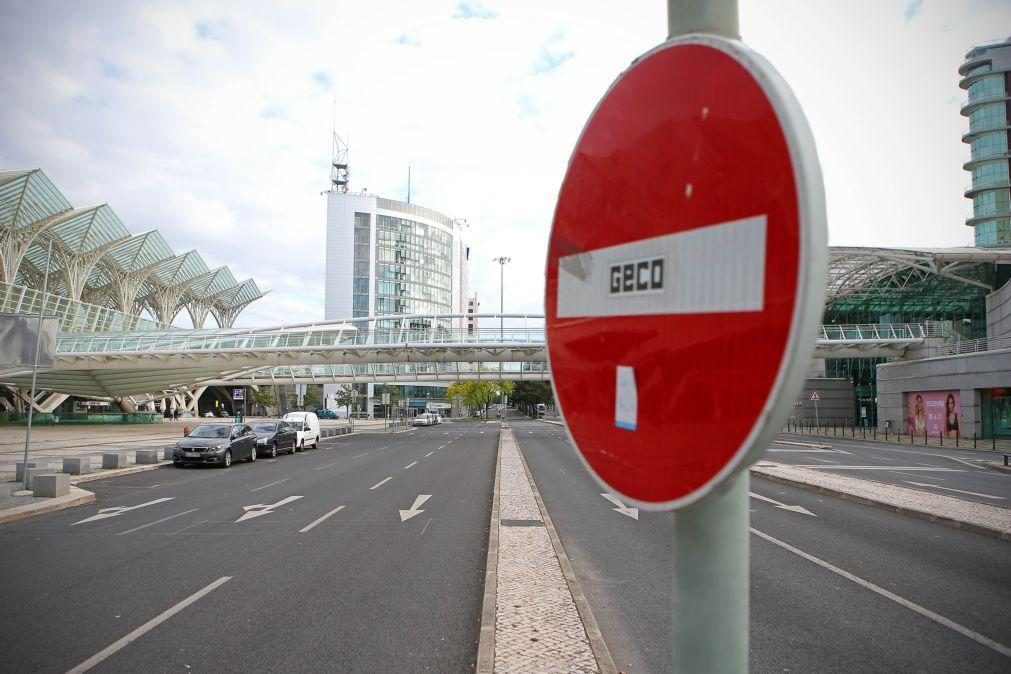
column 535, row 616
column 980, row 518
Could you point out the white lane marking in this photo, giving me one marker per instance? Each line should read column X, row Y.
column 960, row 491
column 622, row 508
column 114, row 511
column 934, row 469
column 445, row 432
column 429, row 454
column 270, row 485
column 902, row 601
column 382, row 448
column 146, row 627
column 262, row 509
column 815, row 458
column 359, row 456
column 414, row 509
column 441, row 447
column 922, row 477
column 380, row 484
column 425, row 528
column 195, row 524
column 151, row 524
column 413, row 463
column 317, row 521
column 329, row 465
column 881, row 458
column 792, row 508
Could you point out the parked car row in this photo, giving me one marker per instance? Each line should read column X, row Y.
column 427, row 419
column 219, row 444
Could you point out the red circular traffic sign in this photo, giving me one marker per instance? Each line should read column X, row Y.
column 685, row 271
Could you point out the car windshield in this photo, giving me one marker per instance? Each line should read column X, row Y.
column 206, row 431
column 264, row 427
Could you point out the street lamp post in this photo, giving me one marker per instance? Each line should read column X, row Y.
column 501, row 287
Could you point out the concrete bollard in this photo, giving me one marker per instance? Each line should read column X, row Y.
column 19, row 469
column 7, row 490
column 37, row 472
column 168, row 452
column 77, row 465
column 147, row 456
column 113, row 460
column 51, row 485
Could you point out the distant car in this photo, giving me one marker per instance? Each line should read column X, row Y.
column 326, row 414
column 542, row 409
column 224, row 413
column 209, row 414
column 273, row 436
column 437, row 417
column 422, row 420
column 306, row 424
column 216, row 444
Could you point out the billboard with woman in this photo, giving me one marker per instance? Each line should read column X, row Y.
column 934, row 413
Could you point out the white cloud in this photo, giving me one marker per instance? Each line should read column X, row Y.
column 213, row 123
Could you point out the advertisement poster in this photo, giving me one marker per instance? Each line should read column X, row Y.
column 934, row 412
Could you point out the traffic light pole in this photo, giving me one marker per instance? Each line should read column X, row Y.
column 711, row 538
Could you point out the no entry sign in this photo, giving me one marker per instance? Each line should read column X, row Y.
column 685, row 271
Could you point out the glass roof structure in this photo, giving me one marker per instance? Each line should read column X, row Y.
column 913, row 285
column 98, row 261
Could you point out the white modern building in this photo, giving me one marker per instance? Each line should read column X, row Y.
column 387, row 258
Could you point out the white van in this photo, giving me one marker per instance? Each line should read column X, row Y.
column 307, row 426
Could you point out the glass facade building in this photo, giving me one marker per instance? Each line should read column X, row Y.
column 387, row 258
column 986, row 76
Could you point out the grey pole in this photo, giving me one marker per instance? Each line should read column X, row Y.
column 501, row 288
column 35, row 365
column 716, row 17
column 711, row 538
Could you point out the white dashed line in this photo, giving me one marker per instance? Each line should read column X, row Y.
column 359, row 456
column 151, row 524
column 310, row 526
column 429, row 454
column 380, row 484
column 269, row 485
column 413, row 463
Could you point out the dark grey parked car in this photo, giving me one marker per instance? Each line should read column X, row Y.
column 275, row 436
column 216, row 444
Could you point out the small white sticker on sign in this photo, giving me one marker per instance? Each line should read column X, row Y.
column 626, row 399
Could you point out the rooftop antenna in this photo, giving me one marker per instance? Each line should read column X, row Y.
column 339, row 172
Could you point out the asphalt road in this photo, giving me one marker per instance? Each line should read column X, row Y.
column 329, row 577
column 940, row 470
column 906, row 578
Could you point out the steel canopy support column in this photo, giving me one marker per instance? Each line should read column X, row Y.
column 716, row 17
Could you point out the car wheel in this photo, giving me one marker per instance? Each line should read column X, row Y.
column 228, row 458
column 301, row 446
column 273, row 451
column 294, row 447
column 252, row 454
column 316, row 446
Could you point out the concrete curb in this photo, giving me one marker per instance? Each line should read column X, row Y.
column 997, row 465
column 600, row 651
column 553, row 423
column 953, row 522
column 800, row 444
column 102, row 474
column 486, row 644
column 76, row 497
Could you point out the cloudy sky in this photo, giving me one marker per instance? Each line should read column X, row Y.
column 211, row 121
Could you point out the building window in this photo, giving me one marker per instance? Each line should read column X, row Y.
column 992, row 116
column 987, row 87
column 990, row 145
column 990, row 173
column 991, row 203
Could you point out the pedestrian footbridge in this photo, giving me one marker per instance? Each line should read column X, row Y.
column 411, row 348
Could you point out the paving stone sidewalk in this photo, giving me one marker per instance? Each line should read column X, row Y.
column 537, row 625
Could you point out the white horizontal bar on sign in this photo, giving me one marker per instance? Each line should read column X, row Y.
column 714, row 269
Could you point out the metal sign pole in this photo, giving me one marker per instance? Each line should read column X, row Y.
column 711, row 545
column 35, row 365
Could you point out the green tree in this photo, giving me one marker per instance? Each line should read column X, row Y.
column 530, row 393
column 345, row 396
column 312, row 398
column 264, row 397
column 479, row 394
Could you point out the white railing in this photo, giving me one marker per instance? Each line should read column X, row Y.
column 872, row 332
column 964, row 346
column 74, row 316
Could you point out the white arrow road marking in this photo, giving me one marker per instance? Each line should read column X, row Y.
column 622, row 508
column 105, row 513
column 418, row 502
column 796, row 508
column 261, row 509
column 960, row 491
